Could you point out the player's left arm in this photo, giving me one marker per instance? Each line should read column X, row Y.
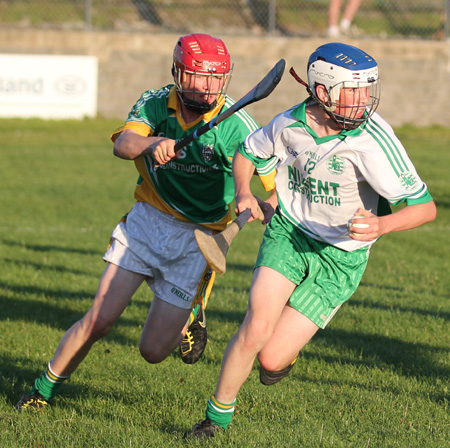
column 395, row 179
column 407, row 218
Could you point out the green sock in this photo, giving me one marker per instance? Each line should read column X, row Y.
column 48, row 383
column 194, row 312
column 219, row 413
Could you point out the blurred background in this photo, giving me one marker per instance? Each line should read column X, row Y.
column 91, row 58
column 423, row 19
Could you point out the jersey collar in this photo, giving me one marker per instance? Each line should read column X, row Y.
column 174, row 103
column 299, row 113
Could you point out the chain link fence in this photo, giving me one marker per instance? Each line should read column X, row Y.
column 422, row 19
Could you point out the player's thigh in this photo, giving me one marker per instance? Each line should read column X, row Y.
column 164, row 325
column 292, row 332
column 269, row 293
column 115, row 290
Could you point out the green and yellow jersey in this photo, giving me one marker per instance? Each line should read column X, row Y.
column 198, row 186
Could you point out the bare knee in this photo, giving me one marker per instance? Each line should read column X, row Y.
column 254, row 335
column 152, row 354
column 271, row 363
column 276, row 361
column 95, row 327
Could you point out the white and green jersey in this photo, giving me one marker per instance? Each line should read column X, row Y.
column 197, row 186
column 321, row 182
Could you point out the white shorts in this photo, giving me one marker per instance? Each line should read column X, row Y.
column 164, row 249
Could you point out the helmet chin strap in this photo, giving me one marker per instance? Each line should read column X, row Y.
column 299, row 80
column 345, row 122
column 196, row 107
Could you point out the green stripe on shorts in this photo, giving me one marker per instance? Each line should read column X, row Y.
column 326, row 276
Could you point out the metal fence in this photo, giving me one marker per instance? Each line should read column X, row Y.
column 423, row 19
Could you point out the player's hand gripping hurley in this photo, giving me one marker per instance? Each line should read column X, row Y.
column 262, row 90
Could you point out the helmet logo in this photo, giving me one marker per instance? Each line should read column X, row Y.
column 322, row 74
column 211, row 66
column 208, row 63
column 208, row 153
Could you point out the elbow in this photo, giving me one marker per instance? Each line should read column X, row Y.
column 429, row 212
column 433, row 212
column 116, row 151
column 121, row 152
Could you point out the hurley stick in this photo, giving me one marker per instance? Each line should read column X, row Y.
column 214, row 248
column 262, row 90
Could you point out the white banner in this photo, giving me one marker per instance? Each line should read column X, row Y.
column 48, row 86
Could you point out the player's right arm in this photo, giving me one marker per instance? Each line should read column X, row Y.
column 131, row 145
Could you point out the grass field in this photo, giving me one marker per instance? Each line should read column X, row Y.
column 378, row 376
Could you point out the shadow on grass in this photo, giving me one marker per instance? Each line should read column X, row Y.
column 383, row 352
column 51, row 248
column 240, row 268
column 27, row 291
column 442, row 203
column 17, row 376
column 439, row 399
column 403, row 309
column 56, row 316
column 39, row 266
column 374, row 351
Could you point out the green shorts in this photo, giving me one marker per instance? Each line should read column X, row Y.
column 326, row 276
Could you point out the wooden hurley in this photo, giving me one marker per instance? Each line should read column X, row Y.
column 214, row 248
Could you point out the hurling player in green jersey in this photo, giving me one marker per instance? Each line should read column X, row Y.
column 336, row 161
column 154, row 242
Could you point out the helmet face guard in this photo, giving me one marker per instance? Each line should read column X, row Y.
column 351, row 79
column 201, row 71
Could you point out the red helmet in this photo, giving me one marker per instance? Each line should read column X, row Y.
column 201, row 54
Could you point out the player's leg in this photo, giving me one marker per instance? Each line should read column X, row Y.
column 116, row 287
column 333, row 18
column 163, row 330
column 115, row 290
column 292, row 332
column 178, row 273
column 195, row 337
column 331, row 278
column 269, row 294
column 171, row 314
column 349, row 13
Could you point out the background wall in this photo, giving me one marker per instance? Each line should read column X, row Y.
column 415, row 74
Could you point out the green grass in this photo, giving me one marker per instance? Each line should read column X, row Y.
column 378, row 376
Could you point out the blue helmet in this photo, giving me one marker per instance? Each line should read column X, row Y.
column 336, row 66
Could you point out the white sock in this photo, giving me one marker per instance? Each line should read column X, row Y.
column 333, row 31
column 345, row 24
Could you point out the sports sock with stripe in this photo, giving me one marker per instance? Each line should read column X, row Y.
column 219, row 413
column 48, row 383
column 193, row 314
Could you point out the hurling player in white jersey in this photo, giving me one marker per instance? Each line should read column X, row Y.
column 336, row 160
column 155, row 242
